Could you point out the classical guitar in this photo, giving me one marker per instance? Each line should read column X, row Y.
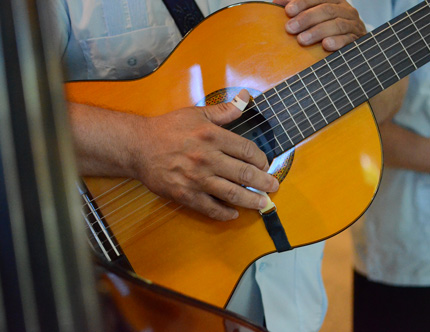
column 309, row 115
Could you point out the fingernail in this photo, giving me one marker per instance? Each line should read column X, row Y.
column 305, row 37
column 330, row 43
column 239, row 103
column 235, row 215
column 263, row 202
column 293, row 26
column 292, row 9
column 275, row 185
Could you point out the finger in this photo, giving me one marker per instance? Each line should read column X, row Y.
column 246, row 174
column 242, row 149
column 320, row 14
column 330, row 28
column 224, row 113
column 209, row 206
column 335, row 43
column 281, row 2
column 235, row 194
column 295, row 7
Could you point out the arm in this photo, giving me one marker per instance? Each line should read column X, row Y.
column 184, row 155
column 404, row 148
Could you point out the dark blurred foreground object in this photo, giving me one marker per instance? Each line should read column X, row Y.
column 48, row 281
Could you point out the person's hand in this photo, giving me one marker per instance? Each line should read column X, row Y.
column 187, row 157
column 333, row 22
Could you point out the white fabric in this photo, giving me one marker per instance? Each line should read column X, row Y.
column 112, row 39
column 392, row 244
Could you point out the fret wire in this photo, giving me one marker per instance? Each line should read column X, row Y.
column 300, row 106
column 258, row 108
column 319, row 110
column 338, row 82
column 353, row 74
column 327, row 94
column 403, row 46
column 371, row 68
column 286, row 132
column 425, row 42
column 291, row 116
column 362, row 43
column 388, row 61
column 273, row 111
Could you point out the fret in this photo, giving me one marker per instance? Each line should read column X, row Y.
column 370, row 68
column 340, row 84
column 277, row 120
column 314, row 89
column 333, row 89
column 403, row 46
column 380, row 62
column 282, row 124
column 353, row 74
column 303, row 101
column 288, row 120
column 419, row 32
column 328, row 97
column 280, row 113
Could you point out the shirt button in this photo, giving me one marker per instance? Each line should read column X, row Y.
column 132, row 61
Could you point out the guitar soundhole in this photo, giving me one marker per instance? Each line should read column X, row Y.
column 251, row 125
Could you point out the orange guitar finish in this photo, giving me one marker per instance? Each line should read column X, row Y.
column 333, row 177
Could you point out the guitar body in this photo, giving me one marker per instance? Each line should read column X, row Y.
column 330, row 180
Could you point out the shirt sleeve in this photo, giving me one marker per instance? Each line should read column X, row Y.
column 56, row 11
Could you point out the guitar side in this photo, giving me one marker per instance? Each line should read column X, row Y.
column 332, row 179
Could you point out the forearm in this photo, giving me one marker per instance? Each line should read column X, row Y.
column 405, row 149
column 103, row 140
column 388, row 102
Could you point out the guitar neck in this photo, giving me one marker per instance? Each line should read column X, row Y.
column 322, row 93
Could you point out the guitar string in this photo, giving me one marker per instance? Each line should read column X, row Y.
column 305, row 129
column 272, row 139
column 304, row 109
column 149, row 225
column 353, row 48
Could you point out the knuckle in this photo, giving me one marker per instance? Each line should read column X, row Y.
column 329, row 9
column 215, row 213
column 183, row 195
column 206, row 134
column 248, row 149
column 198, row 158
column 233, row 195
column 245, row 174
column 341, row 25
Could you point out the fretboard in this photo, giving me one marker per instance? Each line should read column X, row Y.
column 322, row 93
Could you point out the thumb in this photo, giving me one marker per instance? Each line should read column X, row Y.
column 224, row 113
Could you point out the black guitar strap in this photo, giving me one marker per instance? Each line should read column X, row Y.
column 185, row 13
